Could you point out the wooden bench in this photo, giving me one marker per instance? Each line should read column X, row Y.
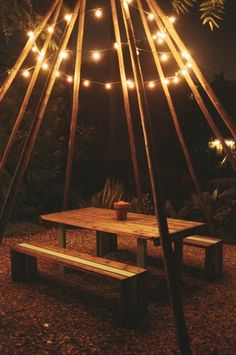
column 132, row 279
column 213, row 254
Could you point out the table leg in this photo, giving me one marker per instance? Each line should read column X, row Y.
column 106, row 243
column 61, row 243
column 141, row 252
column 178, row 251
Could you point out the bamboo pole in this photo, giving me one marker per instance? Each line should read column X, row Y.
column 153, row 168
column 126, row 100
column 215, row 101
column 169, row 99
column 5, row 86
column 195, row 91
column 75, row 103
column 35, row 127
column 28, row 93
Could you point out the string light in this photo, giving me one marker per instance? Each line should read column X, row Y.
column 130, row 84
column 98, row 13
column 185, row 54
column 30, row 34
column 172, row 19
column 151, row 84
column 150, row 17
column 58, row 74
column 167, row 81
column 184, row 71
column 164, row 57
column 108, row 86
column 26, row 73
column 67, row 17
column 86, row 83
column 34, row 49
column 176, row 79
column 69, row 79
column 44, row 66
column 63, row 54
column 189, row 65
column 117, row 45
column 50, row 29
column 96, row 56
column 41, row 56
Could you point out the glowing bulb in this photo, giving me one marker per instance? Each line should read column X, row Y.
column 189, row 65
column 58, row 74
column 161, row 35
column 98, row 13
column 154, row 36
column 167, row 81
column 86, row 83
column 63, row 54
column 176, row 79
column 185, row 54
column 172, row 19
column 68, row 17
column 41, row 56
column 137, row 51
column 150, row 17
column 160, row 40
column 30, row 34
column 116, row 45
column 184, row 72
column 50, row 29
column 164, row 57
column 26, row 73
column 96, row 56
column 34, row 49
column 151, row 84
column 45, row 66
column 69, row 79
column 130, row 84
column 108, row 86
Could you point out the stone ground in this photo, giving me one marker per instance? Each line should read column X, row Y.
column 77, row 314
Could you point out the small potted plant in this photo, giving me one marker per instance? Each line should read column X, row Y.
column 121, row 208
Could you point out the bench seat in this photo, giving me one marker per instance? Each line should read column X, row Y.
column 132, row 279
column 213, row 254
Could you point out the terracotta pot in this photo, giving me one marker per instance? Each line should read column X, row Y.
column 121, row 208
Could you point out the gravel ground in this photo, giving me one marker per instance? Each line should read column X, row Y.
column 77, row 314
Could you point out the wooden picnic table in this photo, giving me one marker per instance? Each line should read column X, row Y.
column 107, row 227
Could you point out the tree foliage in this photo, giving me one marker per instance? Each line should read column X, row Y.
column 211, row 11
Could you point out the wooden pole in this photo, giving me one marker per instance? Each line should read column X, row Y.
column 28, row 93
column 5, row 86
column 153, row 168
column 126, row 100
column 34, row 130
column 198, row 98
column 224, row 116
column 75, row 103
column 169, row 99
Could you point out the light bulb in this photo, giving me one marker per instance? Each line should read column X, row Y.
column 58, row 74
column 26, row 73
column 30, row 34
column 164, row 57
column 98, row 13
column 34, row 49
column 69, row 79
column 176, row 79
column 171, row 19
column 108, row 86
column 50, row 29
column 116, row 45
column 184, row 72
column 96, row 56
column 189, row 65
column 45, row 66
column 86, row 83
column 167, row 81
column 63, row 54
column 130, row 84
column 160, row 40
column 185, row 54
column 151, row 84
column 68, row 17
column 150, row 17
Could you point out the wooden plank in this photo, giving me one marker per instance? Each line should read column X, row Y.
column 42, row 251
column 141, row 252
column 201, row 239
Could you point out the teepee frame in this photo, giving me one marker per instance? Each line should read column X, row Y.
column 175, row 44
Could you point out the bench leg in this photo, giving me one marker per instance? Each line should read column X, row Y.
column 61, row 243
column 133, row 298
column 141, row 252
column 106, row 243
column 178, row 252
column 214, row 261
column 23, row 267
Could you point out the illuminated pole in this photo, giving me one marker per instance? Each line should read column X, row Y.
column 195, row 91
column 153, row 169
column 28, row 93
column 126, row 100
column 25, row 51
column 75, row 103
column 35, row 127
